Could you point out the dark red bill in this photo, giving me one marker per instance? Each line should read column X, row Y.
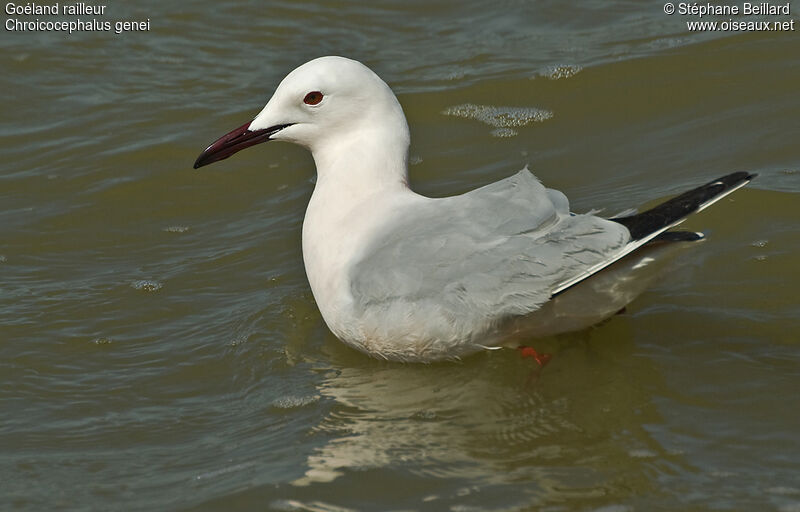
column 234, row 141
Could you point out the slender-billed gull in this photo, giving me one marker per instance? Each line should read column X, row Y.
column 405, row 277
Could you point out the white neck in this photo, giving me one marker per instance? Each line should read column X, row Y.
column 360, row 166
column 362, row 182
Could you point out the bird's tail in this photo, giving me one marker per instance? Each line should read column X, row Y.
column 651, row 226
column 674, row 211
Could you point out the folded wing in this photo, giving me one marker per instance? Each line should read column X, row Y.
column 492, row 253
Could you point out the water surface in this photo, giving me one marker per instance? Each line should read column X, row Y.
column 160, row 347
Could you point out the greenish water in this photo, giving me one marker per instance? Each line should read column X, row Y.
column 160, row 347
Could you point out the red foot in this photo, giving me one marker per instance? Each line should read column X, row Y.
column 542, row 359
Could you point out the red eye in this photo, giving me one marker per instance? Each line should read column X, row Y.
column 312, row 98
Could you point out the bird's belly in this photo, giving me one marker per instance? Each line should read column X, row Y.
column 411, row 333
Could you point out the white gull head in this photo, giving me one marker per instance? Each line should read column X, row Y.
column 341, row 111
column 329, row 100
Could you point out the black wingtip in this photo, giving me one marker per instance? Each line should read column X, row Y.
column 675, row 210
column 734, row 178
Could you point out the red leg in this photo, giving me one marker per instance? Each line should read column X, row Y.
column 542, row 359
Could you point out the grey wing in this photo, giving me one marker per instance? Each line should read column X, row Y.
column 489, row 254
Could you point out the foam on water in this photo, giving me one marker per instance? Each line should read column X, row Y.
column 147, row 285
column 560, row 71
column 176, row 229
column 504, row 119
column 294, row 401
